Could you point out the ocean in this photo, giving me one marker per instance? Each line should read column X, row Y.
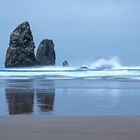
column 60, row 91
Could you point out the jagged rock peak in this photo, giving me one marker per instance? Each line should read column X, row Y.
column 20, row 52
column 46, row 54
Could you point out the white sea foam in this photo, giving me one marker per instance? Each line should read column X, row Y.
column 103, row 64
column 108, row 69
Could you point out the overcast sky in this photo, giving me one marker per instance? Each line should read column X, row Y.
column 83, row 30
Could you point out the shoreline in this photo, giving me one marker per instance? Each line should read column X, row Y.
column 26, row 127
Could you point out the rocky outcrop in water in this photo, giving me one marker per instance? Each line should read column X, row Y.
column 46, row 54
column 20, row 52
column 65, row 63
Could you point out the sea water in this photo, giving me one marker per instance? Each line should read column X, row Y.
column 105, row 89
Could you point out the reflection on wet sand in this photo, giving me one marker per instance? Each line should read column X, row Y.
column 21, row 100
column 45, row 98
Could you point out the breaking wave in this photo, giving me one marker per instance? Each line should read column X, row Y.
column 102, row 69
column 103, row 64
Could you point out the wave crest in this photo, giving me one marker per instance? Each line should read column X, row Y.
column 103, row 64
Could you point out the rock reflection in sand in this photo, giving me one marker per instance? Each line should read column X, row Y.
column 69, row 97
column 22, row 100
column 45, row 99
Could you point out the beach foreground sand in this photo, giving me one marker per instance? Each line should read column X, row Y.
column 70, row 128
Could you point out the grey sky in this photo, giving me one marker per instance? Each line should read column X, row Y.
column 83, row 30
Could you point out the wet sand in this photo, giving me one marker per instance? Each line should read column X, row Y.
column 70, row 128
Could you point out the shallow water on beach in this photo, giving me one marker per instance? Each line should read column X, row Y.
column 69, row 97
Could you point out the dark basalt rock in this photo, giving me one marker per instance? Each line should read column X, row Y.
column 21, row 47
column 46, row 54
column 65, row 63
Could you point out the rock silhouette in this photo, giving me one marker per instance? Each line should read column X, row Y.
column 46, row 54
column 65, row 63
column 20, row 52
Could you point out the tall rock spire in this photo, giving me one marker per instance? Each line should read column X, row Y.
column 20, row 52
column 46, row 54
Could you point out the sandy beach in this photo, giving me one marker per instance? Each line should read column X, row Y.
column 70, row 128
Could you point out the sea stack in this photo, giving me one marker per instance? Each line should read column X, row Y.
column 20, row 52
column 45, row 55
column 65, row 63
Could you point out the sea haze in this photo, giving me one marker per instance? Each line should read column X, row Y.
column 87, row 34
column 82, row 32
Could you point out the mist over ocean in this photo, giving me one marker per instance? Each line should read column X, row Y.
column 101, row 41
column 83, row 32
